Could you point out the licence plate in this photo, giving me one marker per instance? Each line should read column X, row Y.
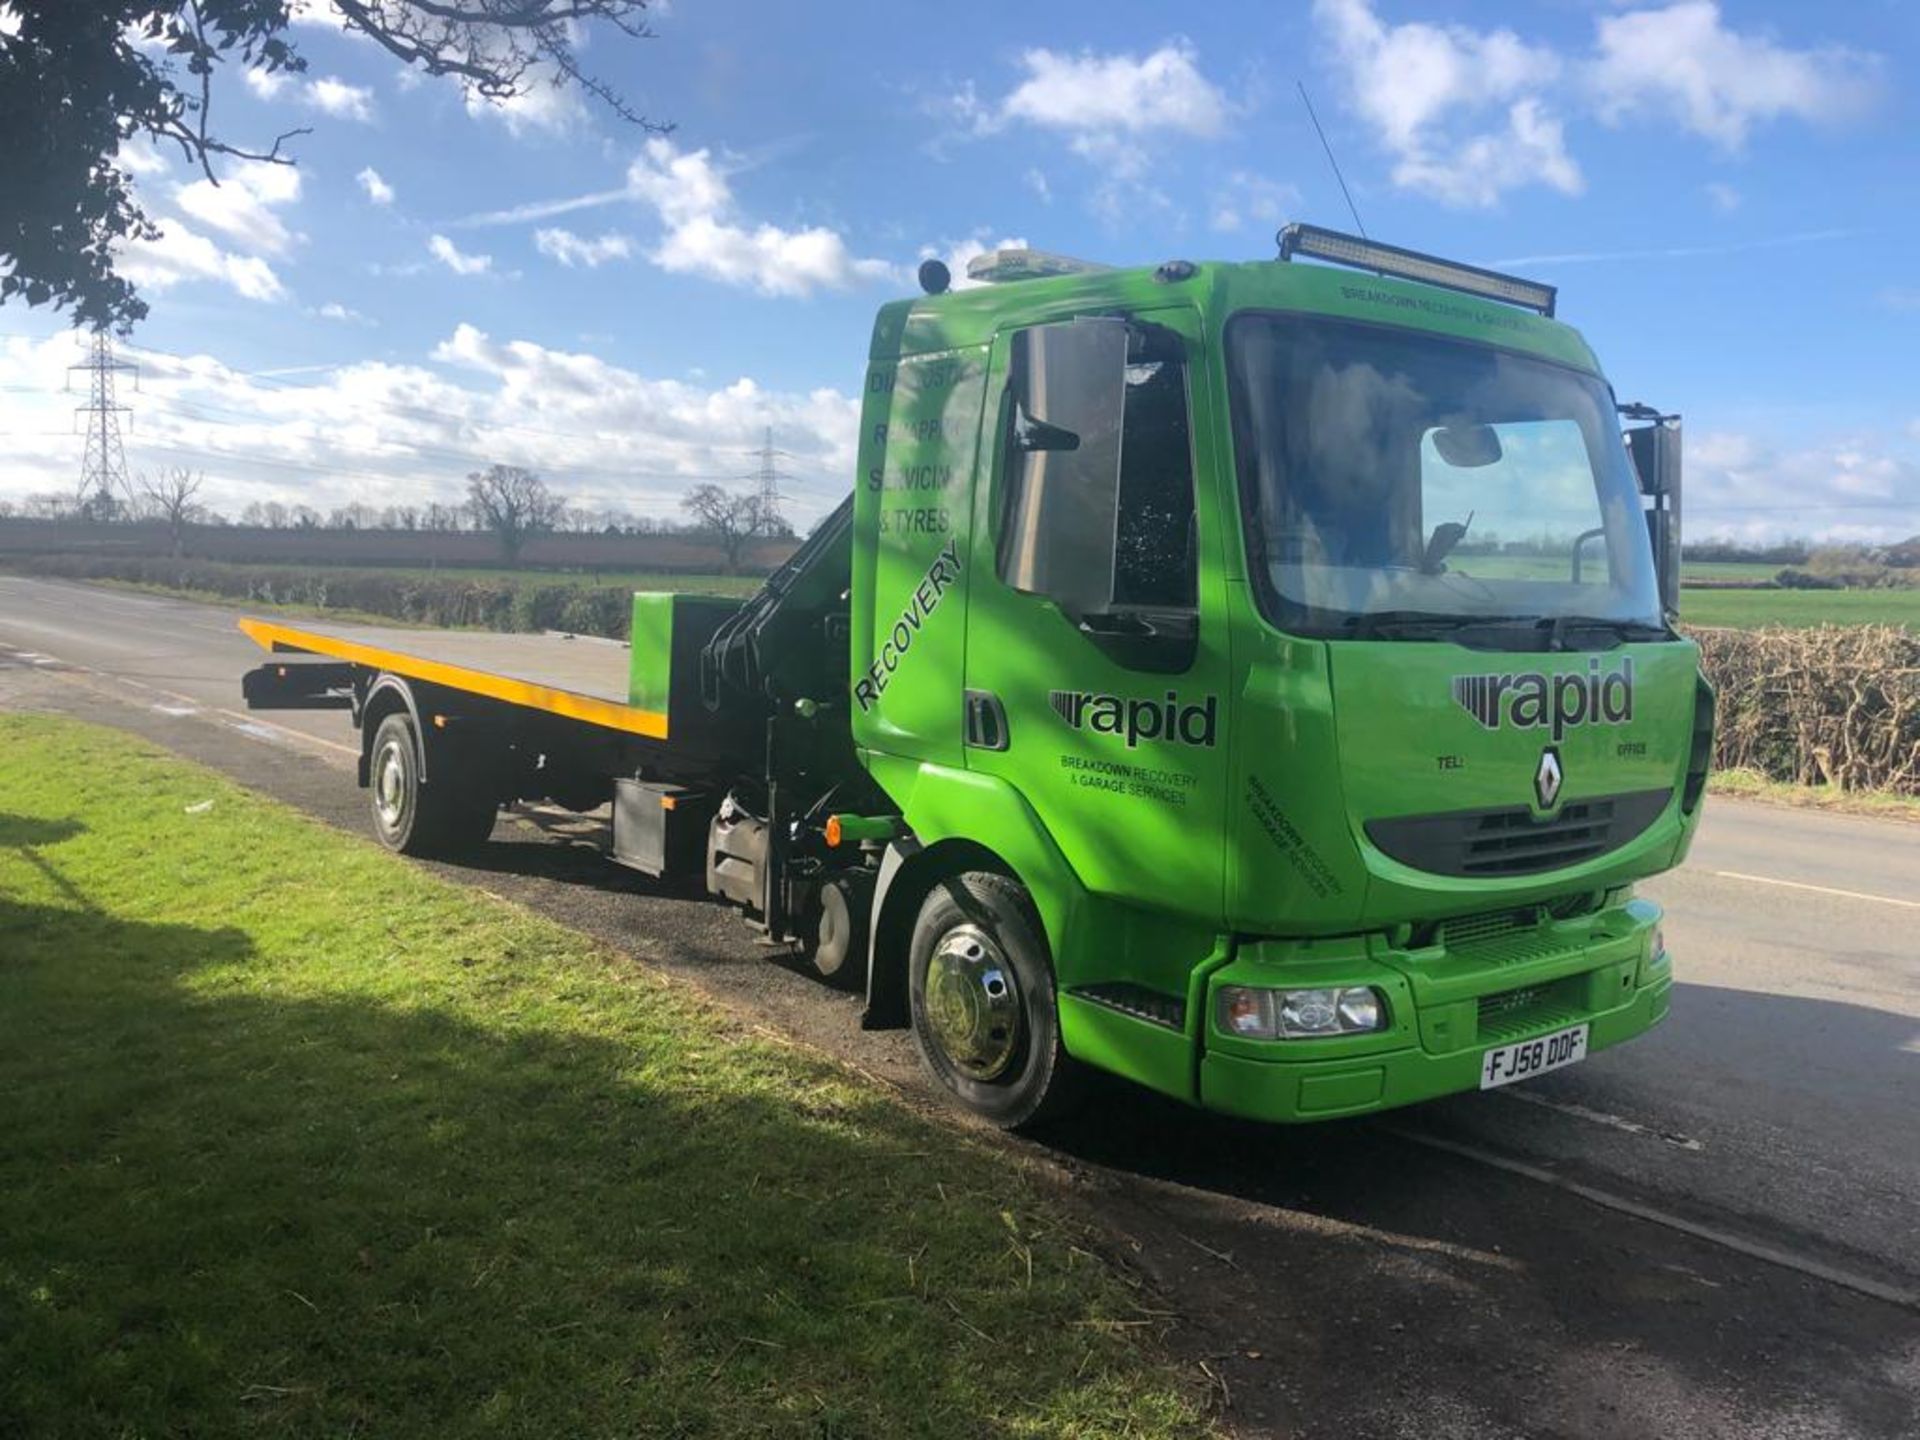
column 1524, row 1059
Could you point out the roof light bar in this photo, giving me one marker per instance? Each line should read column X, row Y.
column 1319, row 244
column 995, row 266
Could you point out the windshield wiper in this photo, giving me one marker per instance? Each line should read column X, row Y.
column 1370, row 623
column 1556, row 627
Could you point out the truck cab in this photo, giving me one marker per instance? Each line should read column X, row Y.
column 1270, row 676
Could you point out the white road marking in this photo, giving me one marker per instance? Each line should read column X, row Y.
column 244, row 721
column 1653, row 1215
column 1601, row 1117
column 247, row 724
column 177, row 711
column 1816, row 889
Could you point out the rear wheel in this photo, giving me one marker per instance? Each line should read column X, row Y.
column 415, row 817
column 980, row 986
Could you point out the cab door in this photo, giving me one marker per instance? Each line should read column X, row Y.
column 1096, row 666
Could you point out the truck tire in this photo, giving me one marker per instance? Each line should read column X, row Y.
column 981, row 996
column 412, row 817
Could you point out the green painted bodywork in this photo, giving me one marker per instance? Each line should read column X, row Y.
column 1166, row 868
column 650, row 669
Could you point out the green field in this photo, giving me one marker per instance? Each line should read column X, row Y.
column 1750, row 609
column 1692, row 572
column 301, row 1140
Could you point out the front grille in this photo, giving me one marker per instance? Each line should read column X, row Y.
column 1514, row 1013
column 1469, row 930
column 1511, row 840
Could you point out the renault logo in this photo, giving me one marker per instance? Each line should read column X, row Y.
column 1547, row 778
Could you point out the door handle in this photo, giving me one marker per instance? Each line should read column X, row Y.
column 986, row 720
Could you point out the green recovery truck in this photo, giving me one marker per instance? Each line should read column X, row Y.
column 1257, row 680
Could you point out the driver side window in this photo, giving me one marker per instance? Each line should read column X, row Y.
column 1097, row 508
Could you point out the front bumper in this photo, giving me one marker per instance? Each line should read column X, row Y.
column 1446, row 1005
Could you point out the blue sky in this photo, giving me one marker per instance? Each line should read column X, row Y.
column 1725, row 194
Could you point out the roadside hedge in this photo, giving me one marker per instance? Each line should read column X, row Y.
column 448, row 600
column 1837, row 705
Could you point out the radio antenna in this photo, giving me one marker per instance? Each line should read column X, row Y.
column 1355, row 209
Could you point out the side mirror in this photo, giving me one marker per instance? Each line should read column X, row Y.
column 1063, row 474
column 1655, row 450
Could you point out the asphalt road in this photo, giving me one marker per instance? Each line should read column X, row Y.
column 1713, row 1231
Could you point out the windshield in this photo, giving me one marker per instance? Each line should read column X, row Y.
column 1414, row 478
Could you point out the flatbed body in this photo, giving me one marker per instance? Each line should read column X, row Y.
column 576, row 677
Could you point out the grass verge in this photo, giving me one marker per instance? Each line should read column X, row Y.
column 303, row 1140
column 1752, row 785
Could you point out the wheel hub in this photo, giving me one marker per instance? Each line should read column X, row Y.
column 973, row 1003
column 390, row 786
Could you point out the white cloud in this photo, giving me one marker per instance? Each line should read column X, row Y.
column 334, row 310
column 1846, row 488
column 704, row 234
column 1900, row 297
column 1726, row 199
column 336, row 97
column 182, row 254
column 378, row 190
column 1468, row 115
column 571, row 249
column 240, row 212
column 268, row 84
column 1791, row 240
column 329, row 93
column 544, row 105
column 1682, row 63
column 1460, row 110
column 138, row 157
column 1245, row 198
column 455, row 259
column 408, row 433
column 1110, row 107
column 241, row 207
column 1089, row 94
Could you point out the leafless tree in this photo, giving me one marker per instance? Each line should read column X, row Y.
column 172, row 498
column 731, row 517
column 355, row 516
column 514, row 503
column 440, row 517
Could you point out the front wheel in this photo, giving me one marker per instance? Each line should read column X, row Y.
column 412, row 816
column 981, row 992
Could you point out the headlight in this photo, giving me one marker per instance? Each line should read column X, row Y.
column 1261, row 1014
